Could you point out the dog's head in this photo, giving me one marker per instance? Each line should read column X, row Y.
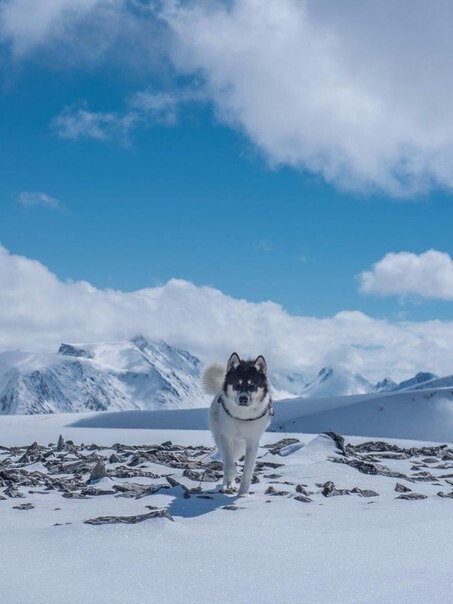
column 246, row 381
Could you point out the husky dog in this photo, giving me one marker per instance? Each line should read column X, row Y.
column 239, row 414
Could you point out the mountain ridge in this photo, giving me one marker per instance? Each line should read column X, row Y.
column 141, row 374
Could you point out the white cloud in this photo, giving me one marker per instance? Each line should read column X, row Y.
column 264, row 245
column 359, row 92
column 144, row 109
column 31, row 199
column 38, row 311
column 27, row 24
column 429, row 275
column 77, row 122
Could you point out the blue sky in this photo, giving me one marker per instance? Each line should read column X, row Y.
column 190, row 163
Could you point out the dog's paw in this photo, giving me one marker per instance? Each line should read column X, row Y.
column 229, row 489
column 243, row 491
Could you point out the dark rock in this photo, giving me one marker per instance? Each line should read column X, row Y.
column 272, row 476
column 137, row 491
column 95, row 492
column 303, row 498
column 217, row 466
column 150, row 490
column 61, row 443
column 230, row 507
column 260, row 465
column 362, row 466
column 374, row 447
column 423, row 476
column 175, row 483
column 272, row 491
column 448, row 495
column 412, row 496
column 129, row 519
column 366, row 467
column 300, row 488
column 114, row 458
column 329, row 490
column 364, row 492
column 401, row 488
column 206, row 476
column 12, row 492
column 24, row 506
column 338, row 440
column 97, row 472
column 281, row 444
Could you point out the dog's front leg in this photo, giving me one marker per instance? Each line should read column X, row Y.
column 229, row 466
column 251, row 452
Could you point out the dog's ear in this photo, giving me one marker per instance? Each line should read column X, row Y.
column 260, row 364
column 233, row 361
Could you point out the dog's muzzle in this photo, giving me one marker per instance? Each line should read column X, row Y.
column 243, row 399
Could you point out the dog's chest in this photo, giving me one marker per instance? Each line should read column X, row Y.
column 245, row 429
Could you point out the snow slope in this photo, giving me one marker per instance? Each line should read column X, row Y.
column 271, row 548
column 422, row 415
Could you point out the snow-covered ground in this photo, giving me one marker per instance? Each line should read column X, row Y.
column 345, row 548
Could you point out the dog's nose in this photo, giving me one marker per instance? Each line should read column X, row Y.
column 243, row 399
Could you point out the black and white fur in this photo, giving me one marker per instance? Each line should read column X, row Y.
column 239, row 414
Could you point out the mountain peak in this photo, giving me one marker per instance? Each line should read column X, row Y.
column 74, row 351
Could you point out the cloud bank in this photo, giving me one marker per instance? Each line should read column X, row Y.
column 357, row 92
column 428, row 275
column 38, row 311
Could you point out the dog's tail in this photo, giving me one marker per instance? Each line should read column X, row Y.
column 213, row 377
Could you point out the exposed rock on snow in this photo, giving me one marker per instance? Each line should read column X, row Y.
column 37, row 469
column 129, row 519
column 411, row 496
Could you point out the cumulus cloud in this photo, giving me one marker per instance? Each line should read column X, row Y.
column 31, row 199
column 38, row 311
column 429, row 275
column 358, row 92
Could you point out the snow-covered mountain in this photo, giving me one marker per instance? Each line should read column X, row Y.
column 340, row 381
column 140, row 374
column 385, row 385
column 287, row 384
column 136, row 374
column 336, row 381
column 420, row 380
